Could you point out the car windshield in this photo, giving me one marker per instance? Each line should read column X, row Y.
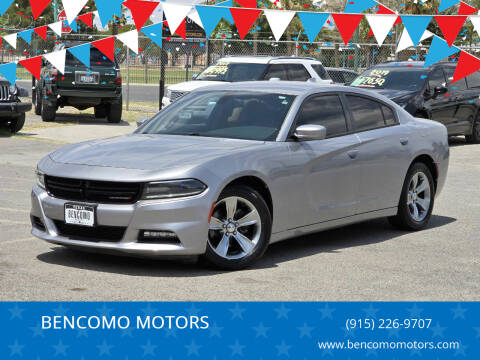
column 96, row 59
column 248, row 115
column 232, row 72
column 395, row 78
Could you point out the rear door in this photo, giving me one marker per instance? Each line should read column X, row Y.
column 297, row 72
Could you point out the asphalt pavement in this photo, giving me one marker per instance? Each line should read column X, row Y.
column 367, row 261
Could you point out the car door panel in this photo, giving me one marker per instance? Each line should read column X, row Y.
column 442, row 107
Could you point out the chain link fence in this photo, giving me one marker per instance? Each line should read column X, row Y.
column 179, row 59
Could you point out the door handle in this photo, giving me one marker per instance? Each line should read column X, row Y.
column 352, row 154
column 404, row 141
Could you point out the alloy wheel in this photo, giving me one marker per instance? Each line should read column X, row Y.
column 418, row 199
column 235, row 228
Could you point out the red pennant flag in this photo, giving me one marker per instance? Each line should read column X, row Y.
column 42, row 32
column 466, row 9
column 87, row 19
column 106, row 46
column 38, row 6
column 141, row 11
column 450, row 26
column 249, row 4
column 244, row 19
column 466, row 65
column 182, row 30
column 33, row 66
column 346, row 24
column 384, row 10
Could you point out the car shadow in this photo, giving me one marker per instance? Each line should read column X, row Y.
column 331, row 241
column 84, row 119
column 454, row 141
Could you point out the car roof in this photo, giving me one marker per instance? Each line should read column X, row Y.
column 340, row 69
column 411, row 64
column 260, row 59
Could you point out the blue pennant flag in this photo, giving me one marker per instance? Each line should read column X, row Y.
column 439, row 50
column 357, row 6
column 4, row 5
column 210, row 16
column 73, row 25
column 312, row 23
column 26, row 35
column 228, row 15
column 107, row 8
column 154, row 32
column 82, row 53
column 9, row 72
column 445, row 4
column 416, row 26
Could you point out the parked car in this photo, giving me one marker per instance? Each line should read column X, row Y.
column 12, row 109
column 341, row 75
column 99, row 86
column 250, row 68
column 231, row 168
column 428, row 92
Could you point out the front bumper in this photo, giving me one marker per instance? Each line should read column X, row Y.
column 14, row 109
column 187, row 218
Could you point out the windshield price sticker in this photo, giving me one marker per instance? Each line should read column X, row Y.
column 219, row 69
column 372, row 324
column 375, row 78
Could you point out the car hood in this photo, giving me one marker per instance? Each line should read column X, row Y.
column 397, row 95
column 148, row 152
column 192, row 85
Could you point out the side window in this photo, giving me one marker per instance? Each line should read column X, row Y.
column 457, row 85
column 366, row 113
column 337, row 76
column 297, row 72
column 388, row 115
column 320, row 70
column 276, row 71
column 473, row 80
column 436, row 78
column 326, row 110
column 349, row 77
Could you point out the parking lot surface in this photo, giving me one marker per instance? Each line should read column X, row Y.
column 367, row 261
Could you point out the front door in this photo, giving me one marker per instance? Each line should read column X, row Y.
column 441, row 107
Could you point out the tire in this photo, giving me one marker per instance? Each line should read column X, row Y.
column 16, row 124
column 407, row 218
column 48, row 111
column 100, row 112
column 37, row 100
column 114, row 112
column 230, row 247
column 475, row 137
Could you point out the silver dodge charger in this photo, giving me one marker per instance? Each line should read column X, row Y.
column 227, row 170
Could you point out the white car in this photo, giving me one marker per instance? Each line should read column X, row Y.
column 250, row 68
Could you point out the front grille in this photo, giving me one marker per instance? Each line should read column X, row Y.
column 175, row 95
column 93, row 234
column 105, row 192
column 37, row 223
column 4, row 92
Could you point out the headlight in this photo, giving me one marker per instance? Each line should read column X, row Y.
column 40, row 179
column 173, row 189
column 13, row 89
column 168, row 94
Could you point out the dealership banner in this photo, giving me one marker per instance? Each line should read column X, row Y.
column 239, row 330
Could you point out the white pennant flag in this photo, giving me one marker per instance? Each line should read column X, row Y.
column 57, row 59
column 381, row 25
column 175, row 13
column 56, row 27
column 130, row 39
column 475, row 19
column 72, row 8
column 278, row 21
column 193, row 15
column 11, row 39
column 406, row 42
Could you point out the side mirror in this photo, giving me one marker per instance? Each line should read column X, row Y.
column 310, row 132
column 142, row 121
column 439, row 90
column 194, row 76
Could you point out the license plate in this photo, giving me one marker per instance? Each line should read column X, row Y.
column 77, row 214
column 84, row 77
column 87, row 79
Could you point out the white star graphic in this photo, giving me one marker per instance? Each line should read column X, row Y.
column 415, row 312
column 237, row 312
column 305, row 330
column 371, row 311
column 149, row 310
column 60, row 310
column 37, row 331
column 459, row 312
column 104, row 348
column 16, row 349
column 126, row 332
column 104, row 310
column 461, row 350
column 215, row 330
column 327, row 312
column 437, row 330
column 193, row 310
column 237, row 349
column 283, row 348
column 16, row 312
column 282, row 311
column 171, row 332
column 60, row 348
column 261, row 330
column 193, row 348
column 149, row 348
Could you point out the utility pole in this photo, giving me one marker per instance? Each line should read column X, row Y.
column 55, row 10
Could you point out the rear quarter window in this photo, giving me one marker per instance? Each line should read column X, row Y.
column 367, row 114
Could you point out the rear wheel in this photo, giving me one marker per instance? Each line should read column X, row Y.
column 114, row 112
column 100, row 111
column 416, row 202
column 48, row 111
column 475, row 137
column 239, row 229
column 17, row 124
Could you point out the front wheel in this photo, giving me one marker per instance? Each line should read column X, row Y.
column 17, row 124
column 239, row 229
column 37, row 100
column 416, row 202
column 475, row 137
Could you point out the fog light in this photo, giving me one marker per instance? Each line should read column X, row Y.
column 158, row 237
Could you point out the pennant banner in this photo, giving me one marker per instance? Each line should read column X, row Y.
column 9, row 72
column 11, row 39
column 244, row 19
column 106, row 46
column 450, row 26
column 175, row 14
column 381, row 25
column 405, row 42
column 416, row 26
column 82, row 53
column 278, row 21
column 4, row 5
column 154, row 32
column 347, row 24
column 42, row 32
column 38, row 6
column 72, row 8
column 210, row 16
column 26, row 35
column 33, row 66
column 439, row 50
column 141, row 11
column 107, row 8
column 130, row 39
column 467, row 64
column 312, row 23
column 57, row 59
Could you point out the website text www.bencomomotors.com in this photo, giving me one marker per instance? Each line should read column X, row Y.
column 388, row 345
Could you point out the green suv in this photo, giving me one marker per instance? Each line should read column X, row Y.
column 99, row 86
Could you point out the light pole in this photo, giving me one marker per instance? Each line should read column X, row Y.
column 55, row 10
